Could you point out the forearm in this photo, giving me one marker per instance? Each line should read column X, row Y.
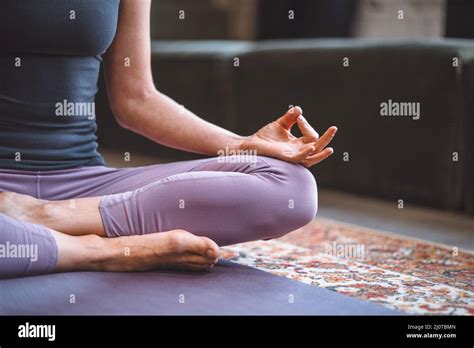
column 166, row 122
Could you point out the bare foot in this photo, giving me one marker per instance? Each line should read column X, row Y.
column 177, row 249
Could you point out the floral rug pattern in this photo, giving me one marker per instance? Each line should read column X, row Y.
column 409, row 275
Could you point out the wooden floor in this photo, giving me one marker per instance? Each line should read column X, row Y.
column 429, row 224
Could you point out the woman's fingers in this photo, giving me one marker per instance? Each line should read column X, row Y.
column 289, row 119
column 319, row 157
column 306, row 128
column 325, row 139
column 305, row 151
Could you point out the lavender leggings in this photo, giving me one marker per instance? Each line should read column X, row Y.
column 228, row 199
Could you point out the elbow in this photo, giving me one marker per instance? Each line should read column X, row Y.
column 123, row 121
column 122, row 111
column 126, row 107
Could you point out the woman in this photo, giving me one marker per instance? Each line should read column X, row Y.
column 62, row 209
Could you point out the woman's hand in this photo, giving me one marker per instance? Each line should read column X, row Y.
column 275, row 140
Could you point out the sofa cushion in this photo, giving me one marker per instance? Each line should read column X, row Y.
column 467, row 155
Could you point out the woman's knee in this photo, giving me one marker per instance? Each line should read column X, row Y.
column 302, row 193
column 293, row 199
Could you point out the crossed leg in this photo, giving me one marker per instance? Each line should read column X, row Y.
column 36, row 249
column 219, row 200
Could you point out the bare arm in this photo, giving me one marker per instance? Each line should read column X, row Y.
column 138, row 105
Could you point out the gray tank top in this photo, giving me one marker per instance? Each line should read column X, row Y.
column 50, row 56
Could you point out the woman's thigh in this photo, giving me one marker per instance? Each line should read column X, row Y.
column 88, row 181
column 24, row 182
column 99, row 180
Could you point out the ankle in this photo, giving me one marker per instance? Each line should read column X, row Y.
column 110, row 254
column 101, row 253
column 46, row 211
column 6, row 197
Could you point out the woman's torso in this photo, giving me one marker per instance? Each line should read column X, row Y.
column 50, row 56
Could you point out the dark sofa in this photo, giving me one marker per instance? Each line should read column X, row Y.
column 388, row 157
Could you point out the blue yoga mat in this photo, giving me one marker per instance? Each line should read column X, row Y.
column 230, row 289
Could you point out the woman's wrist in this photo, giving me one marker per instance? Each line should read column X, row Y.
column 237, row 143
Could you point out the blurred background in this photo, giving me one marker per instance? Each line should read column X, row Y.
column 242, row 63
column 269, row 19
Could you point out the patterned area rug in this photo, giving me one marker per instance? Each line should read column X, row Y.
column 410, row 275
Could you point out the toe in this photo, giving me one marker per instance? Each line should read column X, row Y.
column 205, row 247
column 212, row 249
